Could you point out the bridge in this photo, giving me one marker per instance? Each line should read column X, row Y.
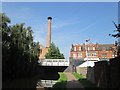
column 53, row 65
column 53, row 62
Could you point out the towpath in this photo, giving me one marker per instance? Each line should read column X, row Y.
column 72, row 82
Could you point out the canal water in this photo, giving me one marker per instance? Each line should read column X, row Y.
column 43, row 78
column 48, row 80
column 48, row 76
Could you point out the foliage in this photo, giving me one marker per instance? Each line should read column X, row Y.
column 117, row 35
column 61, row 82
column 63, row 77
column 54, row 53
column 118, row 30
column 19, row 52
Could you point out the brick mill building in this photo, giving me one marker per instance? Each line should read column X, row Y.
column 92, row 51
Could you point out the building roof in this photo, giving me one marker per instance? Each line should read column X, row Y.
column 98, row 46
column 107, row 46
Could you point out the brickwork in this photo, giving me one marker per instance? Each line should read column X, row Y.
column 101, row 51
column 49, row 32
column 43, row 51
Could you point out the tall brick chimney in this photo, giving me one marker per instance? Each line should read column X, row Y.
column 49, row 33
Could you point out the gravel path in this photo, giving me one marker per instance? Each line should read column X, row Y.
column 72, row 82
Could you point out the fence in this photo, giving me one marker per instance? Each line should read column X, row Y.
column 105, row 74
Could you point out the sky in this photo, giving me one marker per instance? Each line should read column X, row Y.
column 72, row 22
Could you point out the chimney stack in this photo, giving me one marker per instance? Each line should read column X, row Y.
column 49, row 32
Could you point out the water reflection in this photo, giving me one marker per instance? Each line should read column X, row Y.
column 46, row 83
column 48, row 80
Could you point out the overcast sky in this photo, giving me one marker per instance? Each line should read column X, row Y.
column 72, row 22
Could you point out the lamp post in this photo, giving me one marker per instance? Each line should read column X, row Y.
column 86, row 40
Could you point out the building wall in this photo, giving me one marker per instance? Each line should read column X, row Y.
column 43, row 51
column 106, row 51
column 82, row 71
column 109, row 54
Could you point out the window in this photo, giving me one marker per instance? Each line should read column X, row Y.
column 104, row 55
column 79, row 54
column 74, row 48
column 93, row 48
column 74, row 55
column 88, row 54
column 94, row 55
column 91, row 54
column 79, row 48
column 113, row 55
column 103, row 49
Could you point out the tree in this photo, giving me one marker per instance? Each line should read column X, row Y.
column 118, row 30
column 19, row 51
column 117, row 35
column 54, row 53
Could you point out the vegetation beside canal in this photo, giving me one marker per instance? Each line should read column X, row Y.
column 63, row 77
column 86, row 83
column 78, row 76
column 62, row 81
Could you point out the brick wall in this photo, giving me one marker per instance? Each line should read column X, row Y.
column 101, row 51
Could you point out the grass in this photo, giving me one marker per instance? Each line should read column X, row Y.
column 63, row 77
column 78, row 76
column 86, row 83
column 61, row 82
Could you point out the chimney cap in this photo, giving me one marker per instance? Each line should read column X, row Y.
column 49, row 17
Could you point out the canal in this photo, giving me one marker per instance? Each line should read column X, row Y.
column 43, row 78
column 48, row 80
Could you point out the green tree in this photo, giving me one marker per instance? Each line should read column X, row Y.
column 54, row 53
column 19, row 51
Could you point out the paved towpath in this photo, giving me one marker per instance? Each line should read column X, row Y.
column 72, row 82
